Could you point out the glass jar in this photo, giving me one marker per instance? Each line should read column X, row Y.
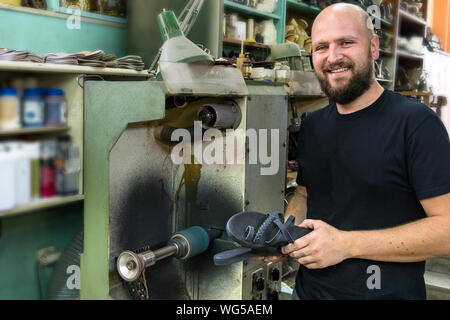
column 55, row 108
column 9, row 109
column 33, row 108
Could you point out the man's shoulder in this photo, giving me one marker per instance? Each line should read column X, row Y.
column 405, row 106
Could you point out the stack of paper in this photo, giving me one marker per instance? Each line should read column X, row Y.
column 85, row 58
column 131, row 62
column 19, row 55
column 62, row 58
column 35, row 58
column 92, row 59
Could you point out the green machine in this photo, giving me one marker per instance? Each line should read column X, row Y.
column 152, row 223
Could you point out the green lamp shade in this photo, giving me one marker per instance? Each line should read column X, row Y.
column 169, row 26
column 182, row 50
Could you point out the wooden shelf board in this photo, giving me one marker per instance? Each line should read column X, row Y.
column 243, row 9
column 42, row 205
column 303, row 8
column 235, row 42
column 33, row 131
column 385, row 52
column 411, row 18
column 19, row 66
column 85, row 17
column 414, row 93
column 407, row 55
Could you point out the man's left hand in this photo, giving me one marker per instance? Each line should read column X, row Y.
column 321, row 248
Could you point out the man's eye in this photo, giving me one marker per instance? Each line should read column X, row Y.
column 346, row 43
column 320, row 48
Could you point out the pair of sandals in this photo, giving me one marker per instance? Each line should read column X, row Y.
column 259, row 235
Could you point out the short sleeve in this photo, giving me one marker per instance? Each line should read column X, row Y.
column 428, row 158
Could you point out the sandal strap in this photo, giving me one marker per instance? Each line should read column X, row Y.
column 284, row 230
column 250, row 231
column 262, row 229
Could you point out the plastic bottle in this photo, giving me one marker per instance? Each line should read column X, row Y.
column 61, row 155
column 22, row 174
column 9, row 109
column 33, row 153
column 55, row 108
column 67, row 167
column 33, row 108
column 7, row 185
column 47, row 169
column 72, row 171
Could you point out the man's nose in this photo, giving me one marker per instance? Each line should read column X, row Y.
column 334, row 55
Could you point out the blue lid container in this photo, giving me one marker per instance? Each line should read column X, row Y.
column 35, row 92
column 55, row 92
column 8, row 92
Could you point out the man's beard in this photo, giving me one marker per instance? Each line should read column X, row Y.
column 359, row 83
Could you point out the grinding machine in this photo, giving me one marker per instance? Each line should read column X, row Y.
column 152, row 225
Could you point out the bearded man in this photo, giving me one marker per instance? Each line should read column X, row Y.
column 374, row 175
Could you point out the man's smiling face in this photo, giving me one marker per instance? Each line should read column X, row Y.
column 343, row 55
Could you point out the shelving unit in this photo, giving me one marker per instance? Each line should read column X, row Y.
column 246, row 12
column 408, row 25
column 66, row 78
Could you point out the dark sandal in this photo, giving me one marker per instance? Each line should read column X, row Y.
column 260, row 235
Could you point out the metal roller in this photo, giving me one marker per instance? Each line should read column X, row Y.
column 220, row 116
column 183, row 245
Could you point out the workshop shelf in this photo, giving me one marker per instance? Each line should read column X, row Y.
column 19, row 66
column 248, row 11
column 33, row 131
column 42, row 205
column 302, row 8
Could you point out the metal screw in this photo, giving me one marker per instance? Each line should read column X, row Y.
column 131, row 265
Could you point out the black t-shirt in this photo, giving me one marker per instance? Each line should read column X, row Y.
column 365, row 171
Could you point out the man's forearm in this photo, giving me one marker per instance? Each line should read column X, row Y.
column 417, row 241
column 297, row 205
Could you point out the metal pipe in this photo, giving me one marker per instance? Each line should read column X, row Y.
column 166, row 251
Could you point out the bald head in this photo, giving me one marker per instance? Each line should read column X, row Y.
column 345, row 13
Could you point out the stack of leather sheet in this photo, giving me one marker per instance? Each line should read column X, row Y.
column 19, row 55
column 35, row 58
column 85, row 58
column 92, row 59
column 110, row 61
column 131, row 62
column 62, row 58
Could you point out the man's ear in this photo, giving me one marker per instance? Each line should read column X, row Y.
column 375, row 46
